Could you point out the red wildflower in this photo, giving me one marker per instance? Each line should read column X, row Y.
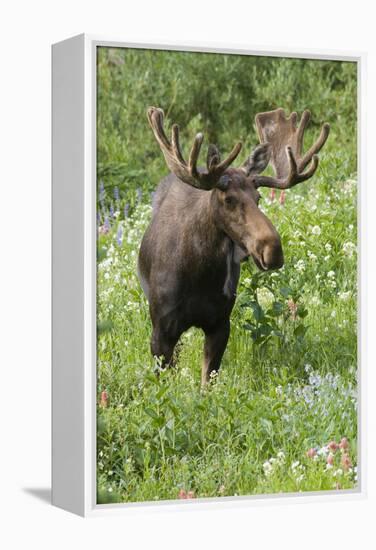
column 330, row 459
column 332, row 445
column 311, row 453
column 346, row 462
column 344, row 444
column 104, row 399
column 293, row 308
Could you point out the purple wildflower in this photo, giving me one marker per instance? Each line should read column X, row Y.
column 116, row 193
column 126, row 210
column 119, row 235
column 111, row 211
column 101, row 190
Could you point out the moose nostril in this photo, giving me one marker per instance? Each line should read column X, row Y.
column 272, row 256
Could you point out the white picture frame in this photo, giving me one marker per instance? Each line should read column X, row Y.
column 74, row 278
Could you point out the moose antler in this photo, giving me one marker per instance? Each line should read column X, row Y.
column 286, row 142
column 188, row 172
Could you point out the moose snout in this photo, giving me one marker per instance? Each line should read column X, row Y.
column 272, row 255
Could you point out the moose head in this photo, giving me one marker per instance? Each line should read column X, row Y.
column 206, row 220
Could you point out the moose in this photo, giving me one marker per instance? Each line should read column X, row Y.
column 206, row 221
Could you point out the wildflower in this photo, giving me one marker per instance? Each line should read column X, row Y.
column 116, row 193
column 295, row 465
column 300, row 266
column 349, row 249
column 344, row 444
column 186, row 495
column 332, row 446
column 119, row 235
column 268, row 468
column 323, row 451
column 346, row 462
column 311, row 452
column 312, row 256
column 330, row 459
column 282, row 197
column 328, row 247
column 316, row 230
column 272, row 195
column 281, row 457
column 104, row 399
column 101, row 190
column 293, row 308
column 344, row 295
column 126, row 210
column 331, row 274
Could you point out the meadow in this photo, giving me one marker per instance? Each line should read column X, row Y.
column 281, row 415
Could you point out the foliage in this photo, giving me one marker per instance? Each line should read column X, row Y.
column 214, row 93
column 288, row 382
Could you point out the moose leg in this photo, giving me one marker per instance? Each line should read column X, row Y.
column 215, row 345
column 163, row 346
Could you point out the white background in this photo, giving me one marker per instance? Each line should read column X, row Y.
column 27, row 30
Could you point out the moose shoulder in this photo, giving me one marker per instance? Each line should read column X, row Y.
column 205, row 221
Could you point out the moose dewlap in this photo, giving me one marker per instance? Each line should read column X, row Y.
column 206, row 221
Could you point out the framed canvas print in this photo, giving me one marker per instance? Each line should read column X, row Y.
column 207, row 281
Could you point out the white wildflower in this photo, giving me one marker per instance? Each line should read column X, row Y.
column 316, row 230
column 268, row 468
column 349, row 249
column 300, row 266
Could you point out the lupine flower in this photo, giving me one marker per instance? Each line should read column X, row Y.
column 101, row 190
column 116, row 193
column 272, row 195
column 126, row 210
column 111, row 211
column 104, row 399
column 119, row 235
column 282, row 197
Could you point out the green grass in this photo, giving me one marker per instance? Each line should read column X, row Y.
column 288, row 381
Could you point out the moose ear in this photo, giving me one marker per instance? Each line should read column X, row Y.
column 257, row 160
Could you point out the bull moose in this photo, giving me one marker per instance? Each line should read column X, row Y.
column 206, row 221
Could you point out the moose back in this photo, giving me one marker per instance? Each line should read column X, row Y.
column 206, row 221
